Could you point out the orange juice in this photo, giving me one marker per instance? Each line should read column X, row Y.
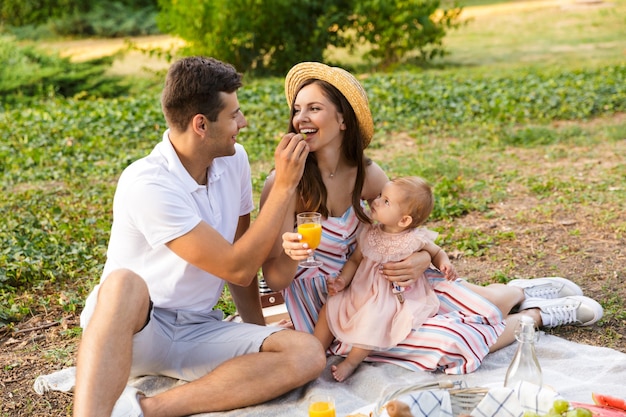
column 311, row 234
column 322, row 409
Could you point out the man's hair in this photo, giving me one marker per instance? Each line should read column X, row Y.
column 418, row 198
column 192, row 86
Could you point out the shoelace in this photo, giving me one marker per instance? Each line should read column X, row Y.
column 562, row 314
column 546, row 291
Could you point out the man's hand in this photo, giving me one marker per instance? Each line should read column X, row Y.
column 289, row 159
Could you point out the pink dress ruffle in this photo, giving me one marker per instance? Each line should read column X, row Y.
column 368, row 314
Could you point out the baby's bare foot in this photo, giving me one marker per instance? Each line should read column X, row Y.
column 343, row 370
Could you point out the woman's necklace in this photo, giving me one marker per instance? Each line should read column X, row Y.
column 332, row 174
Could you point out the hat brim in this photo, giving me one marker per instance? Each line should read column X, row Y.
column 341, row 79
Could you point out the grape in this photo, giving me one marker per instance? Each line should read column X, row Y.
column 560, row 406
column 579, row 412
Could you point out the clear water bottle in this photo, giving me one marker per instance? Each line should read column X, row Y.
column 524, row 366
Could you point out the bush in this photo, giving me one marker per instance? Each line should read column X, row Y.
column 270, row 36
column 111, row 20
column 395, row 28
column 34, row 19
column 26, row 72
column 266, row 36
column 36, row 12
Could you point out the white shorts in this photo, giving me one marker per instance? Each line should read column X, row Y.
column 188, row 345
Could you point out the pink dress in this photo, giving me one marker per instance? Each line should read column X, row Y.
column 367, row 314
column 454, row 341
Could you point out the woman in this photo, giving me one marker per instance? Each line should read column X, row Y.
column 330, row 107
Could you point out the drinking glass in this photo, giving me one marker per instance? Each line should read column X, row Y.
column 321, row 405
column 310, row 228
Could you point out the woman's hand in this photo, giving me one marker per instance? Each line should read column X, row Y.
column 407, row 271
column 293, row 246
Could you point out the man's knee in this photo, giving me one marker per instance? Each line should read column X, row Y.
column 127, row 293
column 301, row 350
column 124, row 283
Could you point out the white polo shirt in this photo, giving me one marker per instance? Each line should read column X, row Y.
column 157, row 201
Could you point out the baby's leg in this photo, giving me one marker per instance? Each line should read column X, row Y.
column 349, row 364
column 322, row 331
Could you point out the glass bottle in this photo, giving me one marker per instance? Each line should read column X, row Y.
column 524, row 366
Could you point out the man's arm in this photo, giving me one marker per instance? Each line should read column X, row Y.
column 239, row 262
column 279, row 269
column 247, row 299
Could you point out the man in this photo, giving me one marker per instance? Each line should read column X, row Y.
column 179, row 217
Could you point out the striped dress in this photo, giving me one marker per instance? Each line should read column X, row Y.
column 454, row 341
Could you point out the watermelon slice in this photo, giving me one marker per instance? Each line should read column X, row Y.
column 600, row 410
column 608, row 400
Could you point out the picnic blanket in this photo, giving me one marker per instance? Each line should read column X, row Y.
column 572, row 369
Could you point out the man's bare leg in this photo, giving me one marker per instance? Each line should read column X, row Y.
column 288, row 359
column 105, row 351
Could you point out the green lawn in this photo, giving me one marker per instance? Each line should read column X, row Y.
column 513, row 70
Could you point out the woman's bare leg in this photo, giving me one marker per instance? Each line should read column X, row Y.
column 505, row 297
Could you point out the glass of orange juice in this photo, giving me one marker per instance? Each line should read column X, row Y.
column 321, row 405
column 310, row 228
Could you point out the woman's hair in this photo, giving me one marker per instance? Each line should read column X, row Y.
column 418, row 200
column 193, row 86
column 311, row 187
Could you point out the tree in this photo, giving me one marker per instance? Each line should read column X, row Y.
column 396, row 28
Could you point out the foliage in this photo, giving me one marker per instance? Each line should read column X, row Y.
column 61, row 157
column 109, row 20
column 261, row 36
column 408, row 98
column 270, row 36
column 27, row 72
column 79, row 17
column 25, row 12
column 397, row 28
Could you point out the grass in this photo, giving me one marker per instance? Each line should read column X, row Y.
column 471, row 123
column 510, row 35
column 522, row 130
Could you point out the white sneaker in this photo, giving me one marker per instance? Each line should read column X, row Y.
column 547, row 288
column 576, row 310
column 128, row 404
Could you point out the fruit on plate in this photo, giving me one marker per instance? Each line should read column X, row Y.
column 601, row 410
column 563, row 408
column 607, row 400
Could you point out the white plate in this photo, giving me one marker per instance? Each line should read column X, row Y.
column 369, row 409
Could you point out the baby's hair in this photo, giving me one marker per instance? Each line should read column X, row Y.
column 418, row 198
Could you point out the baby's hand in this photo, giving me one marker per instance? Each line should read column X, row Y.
column 449, row 271
column 335, row 284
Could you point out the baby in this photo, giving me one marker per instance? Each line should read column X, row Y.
column 364, row 309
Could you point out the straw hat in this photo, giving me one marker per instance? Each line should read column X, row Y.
column 340, row 79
